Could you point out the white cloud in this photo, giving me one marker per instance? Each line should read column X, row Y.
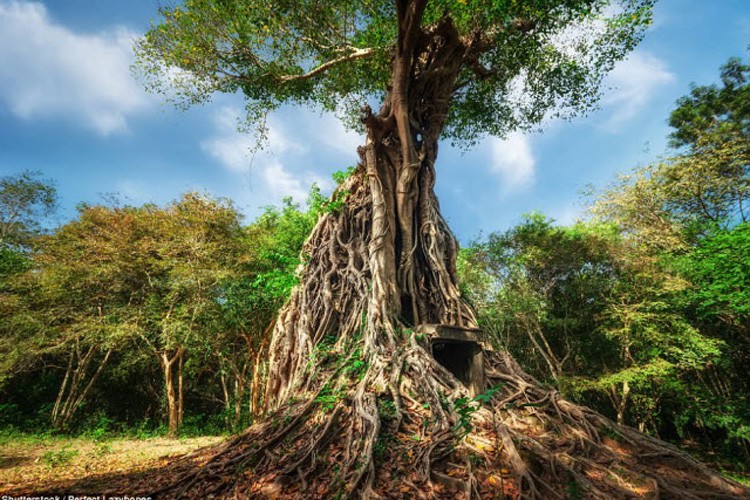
column 330, row 131
column 277, row 167
column 229, row 146
column 514, row 161
column 233, row 147
column 50, row 71
column 634, row 82
column 281, row 182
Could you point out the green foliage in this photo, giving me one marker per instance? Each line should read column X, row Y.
column 356, row 366
column 337, row 202
column 12, row 262
column 139, row 281
column 579, row 306
column 59, row 458
column 672, row 205
column 387, row 408
column 675, row 203
column 25, row 200
column 103, row 449
column 642, row 312
column 337, row 55
column 323, row 351
column 719, row 270
column 340, row 176
column 465, row 408
column 539, row 289
column 721, row 110
column 382, row 445
column 487, row 395
column 99, row 427
column 329, row 396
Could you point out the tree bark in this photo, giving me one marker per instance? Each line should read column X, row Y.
column 225, row 393
column 180, row 389
column 390, row 247
column 256, row 396
column 173, row 406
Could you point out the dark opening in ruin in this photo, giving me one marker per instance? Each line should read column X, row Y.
column 463, row 359
column 459, row 350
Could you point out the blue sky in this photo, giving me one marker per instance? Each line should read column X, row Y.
column 70, row 109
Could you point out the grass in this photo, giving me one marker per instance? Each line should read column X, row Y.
column 742, row 478
column 35, row 462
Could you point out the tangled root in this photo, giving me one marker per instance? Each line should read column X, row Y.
column 406, row 427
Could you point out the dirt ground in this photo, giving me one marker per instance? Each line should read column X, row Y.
column 37, row 465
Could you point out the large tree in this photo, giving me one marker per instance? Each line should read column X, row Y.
column 358, row 403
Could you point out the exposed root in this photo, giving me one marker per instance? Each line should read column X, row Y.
column 363, row 446
column 361, row 408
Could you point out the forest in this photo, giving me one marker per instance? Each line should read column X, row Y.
column 615, row 348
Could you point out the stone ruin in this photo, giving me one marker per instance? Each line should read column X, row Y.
column 460, row 351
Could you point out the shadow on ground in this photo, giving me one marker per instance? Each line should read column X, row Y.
column 10, row 461
column 131, row 483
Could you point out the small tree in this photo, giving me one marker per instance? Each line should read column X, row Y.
column 119, row 276
column 76, row 298
column 25, row 200
column 189, row 248
column 250, row 299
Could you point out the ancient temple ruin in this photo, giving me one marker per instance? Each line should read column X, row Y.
column 460, row 351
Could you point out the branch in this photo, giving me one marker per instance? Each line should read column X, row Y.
column 357, row 54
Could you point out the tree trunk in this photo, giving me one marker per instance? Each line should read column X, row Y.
column 373, row 414
column 239, row 393
column 73, row 392
column 180, row 390
column 256, row 396
column 225, row 392
column 173, row 406
column 386, row 261
column 620, row 402
column 61, row 392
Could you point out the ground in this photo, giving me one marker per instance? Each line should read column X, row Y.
column 33, row 464
column 39, row 464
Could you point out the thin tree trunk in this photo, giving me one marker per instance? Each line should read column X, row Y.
column 180, row 391
column 239, row 393
column 81, row 365
column 256, row 396
column 61, row 392
column 549, row 358
column 82, row 396
column 620, row 403
column 167, row 364
column 225, row 392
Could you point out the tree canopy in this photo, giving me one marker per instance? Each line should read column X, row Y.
column 710, row 108
column 521, row 60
